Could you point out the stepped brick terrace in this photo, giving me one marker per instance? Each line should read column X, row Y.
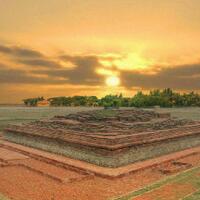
column 109, row 138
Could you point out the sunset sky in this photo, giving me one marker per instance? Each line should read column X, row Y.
column 96, row 47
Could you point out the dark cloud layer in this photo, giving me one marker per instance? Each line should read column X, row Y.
column 20, row 52
column 184, row 77
column 15, row 76
column 42, row 62
column 83, row 71
column 177, row 77
column 28, row 57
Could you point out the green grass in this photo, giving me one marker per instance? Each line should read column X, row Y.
column 2, row 197
column 189, row 176
column 195, row 196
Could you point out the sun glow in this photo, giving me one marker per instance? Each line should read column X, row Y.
column 129, row 62
column 132, row 62
column 112, row 81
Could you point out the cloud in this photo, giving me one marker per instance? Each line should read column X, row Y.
column 83, row 71
column 176, row 77
column 17, row 76
column 28, row 57
column 40, row 69
column 44, row 62
column 20, row 52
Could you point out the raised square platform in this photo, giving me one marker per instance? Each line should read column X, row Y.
column 110, row 138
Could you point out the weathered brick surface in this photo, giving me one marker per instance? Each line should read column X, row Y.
column 108, row 142
column 120, row 135
column 81, row 166
column 7, row 155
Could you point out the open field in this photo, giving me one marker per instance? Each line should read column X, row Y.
column 186, row 113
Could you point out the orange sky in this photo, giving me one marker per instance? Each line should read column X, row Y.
column 90, row 47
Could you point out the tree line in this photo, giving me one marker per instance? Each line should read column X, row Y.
column 163, row 98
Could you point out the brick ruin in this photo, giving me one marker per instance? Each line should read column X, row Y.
column 109, row 138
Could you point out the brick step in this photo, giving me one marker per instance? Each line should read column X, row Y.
column 98, row 170
column 57, row 173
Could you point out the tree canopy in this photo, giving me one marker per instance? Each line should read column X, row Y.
column 163, row 98
column 32, row 101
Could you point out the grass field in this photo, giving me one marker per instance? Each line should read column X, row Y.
column 184, row 186
column 15, row 115
column 185, row 113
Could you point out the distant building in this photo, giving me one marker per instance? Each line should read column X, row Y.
column 43, row 103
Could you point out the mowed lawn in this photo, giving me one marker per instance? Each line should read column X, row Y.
column 184, row 186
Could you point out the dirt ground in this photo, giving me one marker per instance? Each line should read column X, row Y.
column 25, row 178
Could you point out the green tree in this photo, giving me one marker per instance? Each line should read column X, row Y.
column 111, row 101
column 139, row 100
column 32, row 101
column 92, row 101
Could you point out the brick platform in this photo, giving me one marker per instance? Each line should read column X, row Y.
column 97, row 170
column 8, row 155
column 108, row 138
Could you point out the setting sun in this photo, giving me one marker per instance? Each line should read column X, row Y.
column 112, row 81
